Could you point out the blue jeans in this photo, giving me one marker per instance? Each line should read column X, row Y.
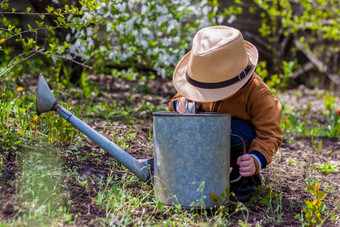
column 245, row 130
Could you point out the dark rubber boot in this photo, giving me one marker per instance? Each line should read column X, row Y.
column 244, row 188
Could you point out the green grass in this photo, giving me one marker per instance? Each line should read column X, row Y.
column 40, row 197
column 301, row 124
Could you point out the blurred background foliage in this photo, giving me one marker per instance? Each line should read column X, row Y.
column 298, row 41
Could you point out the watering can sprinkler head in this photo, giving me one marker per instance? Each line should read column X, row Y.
column 45, row 101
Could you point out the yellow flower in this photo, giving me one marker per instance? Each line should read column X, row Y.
column 20, row 132
column 35, row 118
column 2, row 40
column 19, row 89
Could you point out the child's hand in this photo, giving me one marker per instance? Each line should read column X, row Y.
column 247, row 165
column 181, row 105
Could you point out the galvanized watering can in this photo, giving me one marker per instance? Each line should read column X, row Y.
column 191, row 152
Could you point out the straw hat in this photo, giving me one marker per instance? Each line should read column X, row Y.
column 219, row 63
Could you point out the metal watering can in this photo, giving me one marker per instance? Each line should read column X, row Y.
column 191, row 152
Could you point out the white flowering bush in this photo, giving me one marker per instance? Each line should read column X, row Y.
column 145, row 34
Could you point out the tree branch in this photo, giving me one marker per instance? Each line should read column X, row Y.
column 35, row 14
column 9, row 68
column 41, row 52
column 305, row 68
column 311, row 56
column 69, row 59
column 26, row 31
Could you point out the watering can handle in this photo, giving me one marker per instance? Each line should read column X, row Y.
column 190, row 107
column 244, row 152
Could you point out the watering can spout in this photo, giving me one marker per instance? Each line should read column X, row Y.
column 45, row 102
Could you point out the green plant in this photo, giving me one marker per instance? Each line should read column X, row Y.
column 333, row 127
column 39, row 186
column 316, row 144
column 107, row 110
column 276, row 81
column 273, row 201
column 304, row 26
column 329, row 103
column 296, row 123
column 314, row 207
column 1, row 164
column 328, row 168
column 293, row 162
column 88, row 88
column 149, row 108
column 17, row 120
column 123, row 139
column 57, row 129
column 222, row 199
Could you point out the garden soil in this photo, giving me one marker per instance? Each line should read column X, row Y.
column 282, row 176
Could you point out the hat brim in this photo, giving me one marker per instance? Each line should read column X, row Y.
column 197, row 94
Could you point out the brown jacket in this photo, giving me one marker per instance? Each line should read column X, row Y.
column 255, row 104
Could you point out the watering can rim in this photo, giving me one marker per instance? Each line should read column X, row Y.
column 199, row 114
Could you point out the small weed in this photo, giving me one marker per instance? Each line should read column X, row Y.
column 328, row 168
column 273, row 201
column 293, row 162
column 222, row 199
column 107, row 110
column 316, row 144
column 314, row 207
column 329, row 103
column 335, row 217
column 333, row 127
column 1, row 163
column 57, row 129
column 329, row 189
column 89, row 89
column 240, row 207
column 122, row 140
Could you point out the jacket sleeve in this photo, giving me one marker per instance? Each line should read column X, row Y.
column 266, row 116
column 174, row 99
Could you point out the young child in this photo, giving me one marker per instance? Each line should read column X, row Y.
column 218, row 74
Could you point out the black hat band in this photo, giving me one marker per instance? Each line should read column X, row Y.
column 221, row 84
